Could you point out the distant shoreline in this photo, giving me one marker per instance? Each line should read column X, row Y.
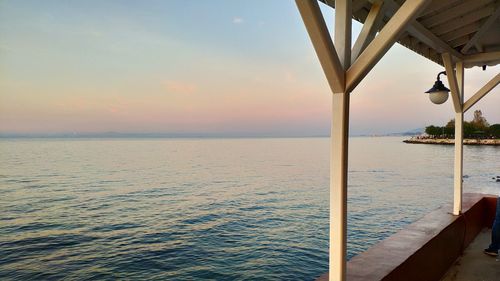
column 494, row 142
column 145, row 136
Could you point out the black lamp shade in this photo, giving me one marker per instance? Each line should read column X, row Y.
column 438, row 87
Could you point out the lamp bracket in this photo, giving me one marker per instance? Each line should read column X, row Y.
column 442, row 72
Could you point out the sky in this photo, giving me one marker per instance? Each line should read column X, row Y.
column 229, row 67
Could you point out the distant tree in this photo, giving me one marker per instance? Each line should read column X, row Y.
column 479, row 121
column 468, row 129
column 433, row 130
column 451, row 123
column 494, row 130
column 430, row 130
column 449, row 129
column 449, row 132
column 477, row 128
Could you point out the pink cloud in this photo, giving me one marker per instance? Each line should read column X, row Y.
column 179, row 87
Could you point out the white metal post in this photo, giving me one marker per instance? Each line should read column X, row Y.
column 459, row 143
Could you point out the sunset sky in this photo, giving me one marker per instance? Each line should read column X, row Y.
column 229, row 67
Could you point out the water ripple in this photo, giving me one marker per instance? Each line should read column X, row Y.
column 208, row 209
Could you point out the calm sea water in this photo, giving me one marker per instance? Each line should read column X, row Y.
column 209, row 209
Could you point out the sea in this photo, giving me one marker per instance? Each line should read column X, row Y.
column 210, row 209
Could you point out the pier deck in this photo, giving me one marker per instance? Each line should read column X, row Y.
column 473, row 264
column 431, row 247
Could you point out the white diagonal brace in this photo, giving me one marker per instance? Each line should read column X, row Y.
column 369, row 29
column 322, row 42
column 479, row 47
column 343, row 30
column 383, row 41
column 480, row 33
column 452, row 81
column 482, row 92
column 431, row 40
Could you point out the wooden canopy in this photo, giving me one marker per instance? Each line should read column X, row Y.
column 469, row 30
column 453, row 33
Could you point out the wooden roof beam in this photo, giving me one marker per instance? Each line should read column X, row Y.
column 422, row 33
column 383, row 41
column 358, row 5
column 427, row 37
column 459, row 41
column 343, row 30
column 480, row 33
column 370, row 27
column 437, row 5
column 484, row 12
column 479, row 47
column 454, row 12
column 482, row 57
column 462, row 31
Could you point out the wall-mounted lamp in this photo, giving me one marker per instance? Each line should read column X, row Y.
column 438, row 94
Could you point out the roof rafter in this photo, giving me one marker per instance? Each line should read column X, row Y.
column 370, row 27
column 358, row 4
column 478, row 46
column 484, row 12
column 480, row 33
column 490, row 56
column 342, row 32
column 459, row 32
column 417, row 30
column 437, row 5
column 453, row 12
column 431, row 34
column 459, row 41
column 389, row 34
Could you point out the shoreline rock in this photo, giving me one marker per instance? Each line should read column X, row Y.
column 452, row 141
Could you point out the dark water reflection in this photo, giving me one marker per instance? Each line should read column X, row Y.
column 232, row 209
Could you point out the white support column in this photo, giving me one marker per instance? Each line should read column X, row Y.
column 336, row 61
column 339, row 147
column 459, row 143
column 334, row 66
column 456, row 82
column 338, row 186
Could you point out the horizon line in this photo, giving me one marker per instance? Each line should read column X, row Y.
column 183, row 135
